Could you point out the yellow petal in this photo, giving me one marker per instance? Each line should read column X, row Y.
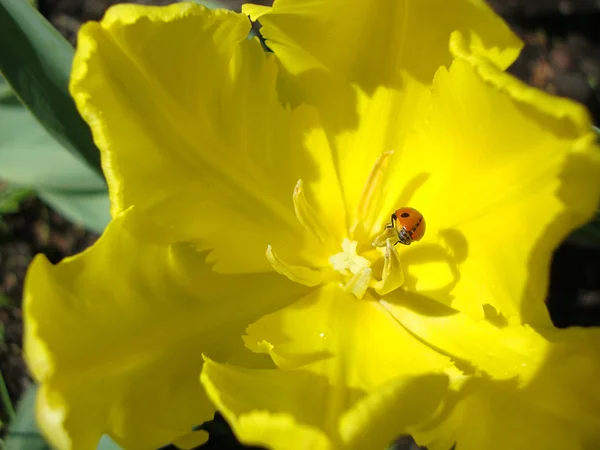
column 368, row 156
column 354, row 343
column 278, row 408
column 294, row 409
column 509, row 172
column 527, row 388
column 326, row 45
column 501, row 353
column 185, row 112
column 115, row 336
column 369, row 42
column 192, row 440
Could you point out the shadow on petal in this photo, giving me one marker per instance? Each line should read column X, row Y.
column 334, row 98
column 433, row 269
column 553, row 411
column 404, row 403
column 579, row 192
column 411, row 188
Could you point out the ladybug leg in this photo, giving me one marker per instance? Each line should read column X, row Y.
column 392, row 223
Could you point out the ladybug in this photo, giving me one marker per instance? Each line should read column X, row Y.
column 409, row 224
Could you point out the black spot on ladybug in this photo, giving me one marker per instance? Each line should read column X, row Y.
column 404, row 215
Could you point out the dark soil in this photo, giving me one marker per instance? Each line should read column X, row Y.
column 562, row 47
column 562, row 56
column 34, row 229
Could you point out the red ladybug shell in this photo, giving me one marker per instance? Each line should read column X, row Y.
column 411, row 221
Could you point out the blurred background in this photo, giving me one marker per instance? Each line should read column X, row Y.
column 562, row 56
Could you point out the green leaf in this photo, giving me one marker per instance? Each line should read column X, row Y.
column 5, row 400
column 5, row 89
column 92, row 210
column 11, row 198
column 23, row 432
column 30, row 157
column 211, row 4
column 107, row 443
column 36, row 61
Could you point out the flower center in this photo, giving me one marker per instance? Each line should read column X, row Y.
column 355, row 269
column 359, row 273
column 378, row 268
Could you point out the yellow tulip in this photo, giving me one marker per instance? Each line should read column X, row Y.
column 247, row 189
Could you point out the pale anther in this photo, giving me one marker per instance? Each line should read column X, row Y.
column 298, row 274
column 307, row 215
column 392, row 276
column 371, row 191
